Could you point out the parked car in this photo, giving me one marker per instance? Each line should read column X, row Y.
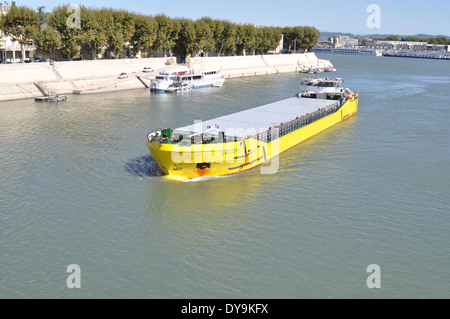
column 147, row 69
column 123, row 75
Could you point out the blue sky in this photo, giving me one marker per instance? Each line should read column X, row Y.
column 397, row 16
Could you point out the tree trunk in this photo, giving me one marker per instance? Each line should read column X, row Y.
column 22, row 48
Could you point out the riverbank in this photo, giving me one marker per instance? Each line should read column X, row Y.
column 22, row 81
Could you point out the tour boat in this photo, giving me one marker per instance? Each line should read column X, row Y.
column 351, row 51
column 163, row 81
column 166, row 82
column 241, row 141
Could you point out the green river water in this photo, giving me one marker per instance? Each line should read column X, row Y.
column 78, row 186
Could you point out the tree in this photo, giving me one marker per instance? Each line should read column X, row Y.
column 260, row 41
column 96, row 25
column 144, row 33
column 70, row 36
column 20, row 23
column 268, row 40
column 203, row 37
column 392, row 38
column 300, row 37
column 121, row 32
column 42, row 16
column 112, row 29
column 225, row 37
column 413, row 39
column 47, row 40
column 275, row 38
column 185, row 43
column 293, row 37
column 442, row 40
column 210, row 42
column 309, row 39
column 167, row 33
column 247, row 39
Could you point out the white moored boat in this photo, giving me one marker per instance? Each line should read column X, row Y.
column 165, row 82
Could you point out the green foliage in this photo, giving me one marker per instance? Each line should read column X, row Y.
column 42, row 15
column 225, row 38
column 20, row 23
column 412, row 39
column 247, row 39
column 438, row 40
column 392, row 38
column 144, row 33
column 96, row 25
column 209, row 42
column 47, row 40
column 166, row 34
column 71, row 38
column 203, row 37
column 300, row 37
column 122, row 31
column 185, row 43
column 112, row 30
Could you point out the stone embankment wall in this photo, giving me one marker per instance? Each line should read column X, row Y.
column 236, row 66
column 17, row 81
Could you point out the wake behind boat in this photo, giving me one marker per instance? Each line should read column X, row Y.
column 238, row 142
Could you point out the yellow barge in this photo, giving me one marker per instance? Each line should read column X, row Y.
column 241, row 141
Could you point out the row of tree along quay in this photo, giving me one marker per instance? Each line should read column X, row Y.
column 117, row 33
column 437, row 40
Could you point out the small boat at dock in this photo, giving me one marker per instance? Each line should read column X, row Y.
column 51, row 98
column 180, row 87
column 49, row 93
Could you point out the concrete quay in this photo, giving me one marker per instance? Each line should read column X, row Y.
column 251, row 65
column 18, row 81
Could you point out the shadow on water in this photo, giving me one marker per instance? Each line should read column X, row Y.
column 143, row 166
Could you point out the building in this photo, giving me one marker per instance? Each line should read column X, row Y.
column 10, row 50
column 279, row 49
column 400, row 45
column 438, row 47
column 343, row 42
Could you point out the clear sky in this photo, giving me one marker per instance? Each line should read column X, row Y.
column 396, row 16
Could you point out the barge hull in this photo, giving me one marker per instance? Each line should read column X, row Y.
column 200, row 160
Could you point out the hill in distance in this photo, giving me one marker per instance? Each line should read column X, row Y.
column 327, row 34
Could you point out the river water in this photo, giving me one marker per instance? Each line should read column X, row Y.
column 78, row 186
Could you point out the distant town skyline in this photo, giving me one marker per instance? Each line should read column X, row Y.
column 350, row 16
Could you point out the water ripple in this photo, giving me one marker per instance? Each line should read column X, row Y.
column 143, row 166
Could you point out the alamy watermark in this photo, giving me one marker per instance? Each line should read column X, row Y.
column 374, row 279
column 74, row 279
column 374, row 19
column 253, row 147
column 74, row 20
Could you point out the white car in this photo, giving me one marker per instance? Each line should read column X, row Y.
column 147, row 69
column 123, row 75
